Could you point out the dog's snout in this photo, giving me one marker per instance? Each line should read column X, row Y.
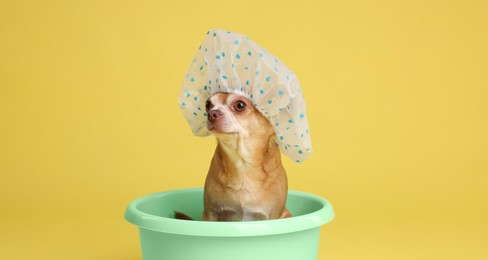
column 214, row 114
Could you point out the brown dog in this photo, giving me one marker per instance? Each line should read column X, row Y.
column 246, row 180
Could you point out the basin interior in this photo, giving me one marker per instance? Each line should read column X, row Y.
column 191, row 204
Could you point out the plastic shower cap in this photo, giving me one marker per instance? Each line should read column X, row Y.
column 231, row 62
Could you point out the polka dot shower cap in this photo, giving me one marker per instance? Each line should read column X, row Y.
column 231, row 62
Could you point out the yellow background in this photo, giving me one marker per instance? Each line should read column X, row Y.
column 396, row 94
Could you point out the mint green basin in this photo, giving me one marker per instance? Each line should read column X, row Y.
column 163, row 237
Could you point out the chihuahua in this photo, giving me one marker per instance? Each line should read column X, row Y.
column 246, row 180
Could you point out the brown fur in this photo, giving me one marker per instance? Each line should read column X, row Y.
column 246, row 179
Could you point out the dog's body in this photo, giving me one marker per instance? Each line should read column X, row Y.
column 246, row 180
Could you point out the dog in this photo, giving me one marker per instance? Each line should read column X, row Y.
column 246, row 180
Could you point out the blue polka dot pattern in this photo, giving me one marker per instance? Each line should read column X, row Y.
column 245, row 68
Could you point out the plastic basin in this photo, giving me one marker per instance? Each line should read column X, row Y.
column 163, row 237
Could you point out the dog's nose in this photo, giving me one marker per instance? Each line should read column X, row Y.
column 214, row 114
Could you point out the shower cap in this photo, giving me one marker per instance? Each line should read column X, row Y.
column 231, row 62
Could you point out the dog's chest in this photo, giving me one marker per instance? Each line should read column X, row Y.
column 242, row 199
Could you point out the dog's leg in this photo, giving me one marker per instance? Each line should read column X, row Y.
column 286, row 214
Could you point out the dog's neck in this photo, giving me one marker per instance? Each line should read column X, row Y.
column 243, row 153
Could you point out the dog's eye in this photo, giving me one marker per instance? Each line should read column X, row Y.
column 240, row 106
column 208, row 105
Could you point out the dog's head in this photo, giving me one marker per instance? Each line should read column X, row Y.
column 235, row 114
